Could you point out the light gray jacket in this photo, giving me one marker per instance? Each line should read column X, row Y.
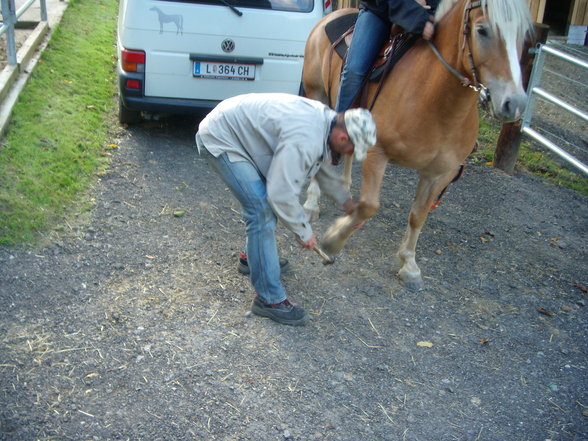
column 285, row 137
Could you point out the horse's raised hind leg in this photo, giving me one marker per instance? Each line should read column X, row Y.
column 428, row 188
column 311, row 205
column 313, row 193
column 347, row 168
column 373, row 170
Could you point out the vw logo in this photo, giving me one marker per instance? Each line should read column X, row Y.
column 228, row 45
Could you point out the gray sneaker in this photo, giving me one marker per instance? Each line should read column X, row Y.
column 284, row 312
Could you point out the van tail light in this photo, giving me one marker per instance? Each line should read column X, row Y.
column 327, row 6
column 133, row 84
column 133, row 61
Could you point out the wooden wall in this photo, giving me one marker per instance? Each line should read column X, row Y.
column 579, row 13
column 537, row 8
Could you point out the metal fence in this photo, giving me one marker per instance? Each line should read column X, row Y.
column 10, row 16
column 536, row 91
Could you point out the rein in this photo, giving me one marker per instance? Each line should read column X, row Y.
column 465, row 81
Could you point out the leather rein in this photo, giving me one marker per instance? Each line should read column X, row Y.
column 475, row 84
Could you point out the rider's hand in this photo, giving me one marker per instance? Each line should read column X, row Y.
column 429, row 30
column 310, row 243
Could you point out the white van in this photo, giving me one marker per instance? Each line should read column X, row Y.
column 184, row 56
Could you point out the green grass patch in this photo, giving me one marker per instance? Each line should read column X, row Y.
column 59, row 129
column 530, row 158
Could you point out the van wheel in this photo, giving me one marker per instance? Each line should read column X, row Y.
column 126, row 115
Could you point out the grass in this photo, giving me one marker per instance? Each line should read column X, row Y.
column 58, row 135
column 58, row 139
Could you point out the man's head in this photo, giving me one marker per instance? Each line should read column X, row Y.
column 354, row 132
column 361, row 127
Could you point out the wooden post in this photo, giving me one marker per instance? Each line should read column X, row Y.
column 509, row 140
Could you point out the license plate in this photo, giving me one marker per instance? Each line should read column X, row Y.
column 225, row 71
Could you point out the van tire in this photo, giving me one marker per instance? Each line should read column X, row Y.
column 126, row 115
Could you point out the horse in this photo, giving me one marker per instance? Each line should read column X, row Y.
column 177, row 19
column 426, row 111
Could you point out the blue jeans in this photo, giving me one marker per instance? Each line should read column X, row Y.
column 248, row 186
column 368, row 38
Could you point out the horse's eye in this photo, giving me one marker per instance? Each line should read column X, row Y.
column 482, row 31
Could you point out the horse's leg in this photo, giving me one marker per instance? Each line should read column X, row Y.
column 428, row 188
column 373, row 169
column 311, row 205
column 347, row 168
column 313, row 193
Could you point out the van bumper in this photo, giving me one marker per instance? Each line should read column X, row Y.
column 168, row 105
column 135, row 99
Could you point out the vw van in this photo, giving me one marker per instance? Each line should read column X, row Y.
column 185, row 56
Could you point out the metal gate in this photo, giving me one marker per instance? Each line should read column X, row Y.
column 536, row 91
column 10, row 16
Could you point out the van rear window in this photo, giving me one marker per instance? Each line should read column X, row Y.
column 277, row 5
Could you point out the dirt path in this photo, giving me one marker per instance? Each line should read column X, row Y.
column 134, row 324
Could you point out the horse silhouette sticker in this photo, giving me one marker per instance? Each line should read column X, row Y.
column 177, row 19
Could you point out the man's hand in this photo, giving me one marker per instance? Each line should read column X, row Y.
column 310, row 243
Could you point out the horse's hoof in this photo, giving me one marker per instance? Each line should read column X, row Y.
column 331, row 249
column 414, row 286
column 412, row 283
column 332, row 244
column 336, row 236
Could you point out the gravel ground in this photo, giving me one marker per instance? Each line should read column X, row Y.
column 132, row 321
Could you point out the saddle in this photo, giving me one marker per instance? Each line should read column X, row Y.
column 340, row 33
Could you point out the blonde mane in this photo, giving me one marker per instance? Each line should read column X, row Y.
column 506, row 16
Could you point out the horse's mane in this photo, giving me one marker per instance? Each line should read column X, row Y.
column 506, row 16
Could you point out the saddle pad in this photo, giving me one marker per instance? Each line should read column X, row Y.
column 338, row 27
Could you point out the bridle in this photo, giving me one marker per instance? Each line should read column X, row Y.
column 474, row 83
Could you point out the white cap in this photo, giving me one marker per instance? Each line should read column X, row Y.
column 361, row 128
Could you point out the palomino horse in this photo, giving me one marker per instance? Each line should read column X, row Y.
column 426, row 119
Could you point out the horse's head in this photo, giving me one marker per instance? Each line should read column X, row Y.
column 496, row 31
column 493, row 35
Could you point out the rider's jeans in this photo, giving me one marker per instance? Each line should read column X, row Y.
column 369, row 36
column 248, row 186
